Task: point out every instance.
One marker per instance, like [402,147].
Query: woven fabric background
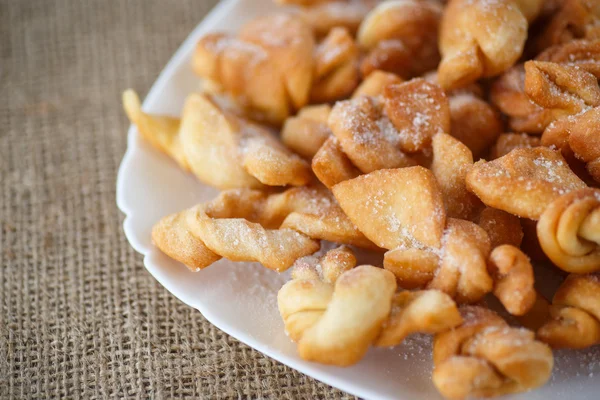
[79,315]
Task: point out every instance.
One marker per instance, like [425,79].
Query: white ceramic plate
[240,298]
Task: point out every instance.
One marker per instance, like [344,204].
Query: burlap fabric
[79,315]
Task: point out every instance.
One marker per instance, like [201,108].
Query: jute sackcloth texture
[79,315]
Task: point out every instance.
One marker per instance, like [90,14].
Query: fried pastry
[249,225]
[335,316]
[474,122]
[336,72]
[561,88]
[335,311]
[403,210]
[325,15]
[274,52]
[375,83]
[574,314]
[524,182]
[507,142]
[451,162]
[481,38]
[400,36]
[220,148]
[375,133]
[569,19]
[584,54]
[485,357]
[578,140]
[306,132]
[508,94]
[502,228]
[513,279]
[569,231]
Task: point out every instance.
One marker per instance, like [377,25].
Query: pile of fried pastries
[458,141]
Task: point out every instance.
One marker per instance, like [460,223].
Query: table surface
[79,315]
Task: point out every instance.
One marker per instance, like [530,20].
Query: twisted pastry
[220,148]
[574,314]
[247,225]
[571,19]
[578,140]
[485,357]
[569,231]
[403,210]
[274,52]
[486,48]
[279,53]
[400,36]
[501,227]
[373,133]
[323,16]
[335,311]
[563,89]
[508,94]
[513,279]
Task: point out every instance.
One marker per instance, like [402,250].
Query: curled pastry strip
[336,72]
[486,48]
[274,52]
[523,182]
[220,148]
[578,140]
[569,231]
[485,357]
[306,132]
[403,210]
[377,133]
[508,94]
[563,89]
[574,314]
[335,311]
[571,19]
[400,36]
[513,279]
[247,225]
[584,54]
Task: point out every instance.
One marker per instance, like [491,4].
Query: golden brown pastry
[513,279]
[374,84]
[569,231]
[508,94]
[575,314]
[306,132]
[220,148]
[451,162]
[336,72]
[507,142]
[480,38]
[400,36]
[403,210]
[501,227]
[274,52]
[334,316]
[474,122]
[323,16]
[485,357]
[335,311]
[524,182]
[248,225]
[373,133]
